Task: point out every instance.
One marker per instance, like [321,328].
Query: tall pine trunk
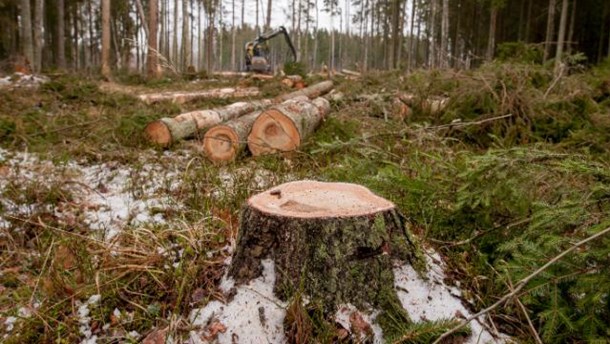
[432,38]
[153,21]
[106,72]
[233,34]
[491,41]
[60,43]
[185,35]
[550,30]
[38,42]
[570,42]
[561,37]
[26,32]
[412,40]
[444,53]
[268,19]
[175,53]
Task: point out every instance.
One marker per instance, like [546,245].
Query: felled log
[283,127]
[184,97]
[167,130]
[226,141]
[230,74]
[431,105]
[292,80]
[351,73]
[334,242]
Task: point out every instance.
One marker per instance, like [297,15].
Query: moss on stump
[333,242]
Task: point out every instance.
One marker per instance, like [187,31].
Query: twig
[521,284]
[464,124]
[44,264]
[554,83]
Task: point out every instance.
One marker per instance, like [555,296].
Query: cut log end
[312,199]
[273,131]
[159,133]
[220,144]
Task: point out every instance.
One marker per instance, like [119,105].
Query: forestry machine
[257,51]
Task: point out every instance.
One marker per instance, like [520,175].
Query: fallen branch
[521,284]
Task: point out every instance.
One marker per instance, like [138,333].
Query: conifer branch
[520,285]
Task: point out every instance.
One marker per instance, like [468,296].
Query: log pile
[263,126]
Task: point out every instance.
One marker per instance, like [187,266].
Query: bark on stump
[283,128]
[334,242]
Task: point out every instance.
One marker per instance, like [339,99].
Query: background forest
[356,34]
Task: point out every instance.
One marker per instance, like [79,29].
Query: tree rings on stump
[334,242]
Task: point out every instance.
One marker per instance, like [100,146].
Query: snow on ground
[255,315]
[23,80]
[109,195]
[433,299]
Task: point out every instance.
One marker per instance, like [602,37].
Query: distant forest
[209,35]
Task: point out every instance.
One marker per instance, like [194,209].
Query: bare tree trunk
[142,16]
[233,33]
[256,27]
[161,19]
[367,41]
[268,19]
[417,42]
[315,38]
[26,32]
[571,30]
[550,30]
[560,39]
[185,35]
[106,72]
[491,41]
[396,19]
[153,20]
[444,63]
[60,44]
[175,56]
[38,42]
[528,20]
[412,41]
[432,38]
[243,9]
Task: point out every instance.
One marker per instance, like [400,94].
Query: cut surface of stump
[334,242]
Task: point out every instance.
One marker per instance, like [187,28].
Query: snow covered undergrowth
[107,197]
[255,315]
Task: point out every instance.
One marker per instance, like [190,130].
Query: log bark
[335,242]
[283,127]
[225,142]
[216,93]
[430,105]
[167,130]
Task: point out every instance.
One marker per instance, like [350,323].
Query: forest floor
[106,237]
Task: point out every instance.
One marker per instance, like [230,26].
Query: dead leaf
[157,336]
[359,326]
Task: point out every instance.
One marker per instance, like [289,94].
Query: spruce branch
[521,284]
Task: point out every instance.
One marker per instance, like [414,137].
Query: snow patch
[254,315]
[432,299]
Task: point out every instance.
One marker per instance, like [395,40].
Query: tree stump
[333,242]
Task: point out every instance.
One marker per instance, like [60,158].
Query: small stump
[333,242]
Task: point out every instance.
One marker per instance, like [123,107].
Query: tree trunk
[570,42]
[432,38]
[412,40]
[175,56]
[153,48]
[284,127]
[550,30]
[268,19]
[106,72]
[216,93]
[142,16]
[38,42]
[185,36]
[61,47]
[444,58]
[227,141]
[528,20]
[561,37]
[491,41]
[233,35]
[167,130]
[26,32]
[335,242]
